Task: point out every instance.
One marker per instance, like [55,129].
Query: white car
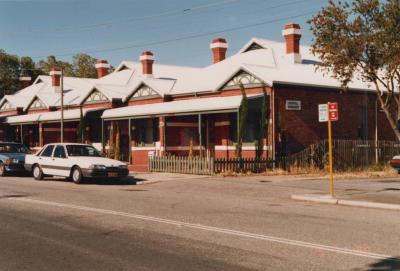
[75,161]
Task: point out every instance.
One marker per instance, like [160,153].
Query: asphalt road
[189,224]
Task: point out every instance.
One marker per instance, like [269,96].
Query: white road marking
[215,229]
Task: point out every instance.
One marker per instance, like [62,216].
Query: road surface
[188,224]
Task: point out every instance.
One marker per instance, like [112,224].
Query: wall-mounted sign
[293,105]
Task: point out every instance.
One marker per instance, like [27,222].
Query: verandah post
[200,137]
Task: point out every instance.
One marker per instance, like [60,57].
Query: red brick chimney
[55,74]
[102,68]
[292,33]
[24,80]
[219,46]
[147,60]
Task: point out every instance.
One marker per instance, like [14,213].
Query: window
[82,150]
[145,131]
[13,148]
[48,151]
[253,123]
[59,152]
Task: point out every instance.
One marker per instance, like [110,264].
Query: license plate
[112,174]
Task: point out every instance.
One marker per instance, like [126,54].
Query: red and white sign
[333,111]
[329,111]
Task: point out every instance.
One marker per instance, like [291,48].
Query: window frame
[63,148]
[52,151]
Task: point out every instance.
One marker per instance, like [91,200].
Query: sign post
[328,113]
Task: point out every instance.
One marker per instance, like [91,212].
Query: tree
[81,127]
[51,62]
[264,121]
[242,121]
[9,73]
[117,148]
[84,66]
[361,40]
[28,66]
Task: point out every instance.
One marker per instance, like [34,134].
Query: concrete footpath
[385,196]
[339,201]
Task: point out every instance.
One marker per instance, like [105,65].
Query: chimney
[292,33]
[219,46]
[55,74]
[25,80]
[102,68]
[147,60]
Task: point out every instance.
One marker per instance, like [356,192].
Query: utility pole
[62,105]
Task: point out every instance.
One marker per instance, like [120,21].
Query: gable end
[253,46]
[144,92]
[37,104]
[248,81]
[6,106]
[96,97]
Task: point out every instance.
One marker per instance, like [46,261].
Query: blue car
[12,157]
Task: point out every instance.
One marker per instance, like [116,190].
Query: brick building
[157,109]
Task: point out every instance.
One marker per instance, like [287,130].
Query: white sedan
[75,161]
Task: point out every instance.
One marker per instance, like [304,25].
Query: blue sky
[120,29]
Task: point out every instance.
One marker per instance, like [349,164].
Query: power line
[133,19]
[152,16]
[184,37]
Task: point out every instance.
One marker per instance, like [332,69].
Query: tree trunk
[389,117]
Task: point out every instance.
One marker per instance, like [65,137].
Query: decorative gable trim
[96,97]
[6,106]
[37,104]
[144,92]
[248,80]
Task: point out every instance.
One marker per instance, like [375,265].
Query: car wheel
[37,173]
[76,175]
[2,170]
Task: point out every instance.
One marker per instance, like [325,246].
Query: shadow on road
[389,264]
[100,181]
[123,181]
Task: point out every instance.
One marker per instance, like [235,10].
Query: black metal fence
[242,165]
[347,155]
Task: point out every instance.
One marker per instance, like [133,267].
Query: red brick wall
[96,105]
[146,101]
[140,160]
[303,127]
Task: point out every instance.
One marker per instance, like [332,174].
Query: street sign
[333,111]
[323,115]
[327,113]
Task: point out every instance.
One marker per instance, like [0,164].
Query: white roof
[29,118]
[270,64]
[72,114]
[214,104]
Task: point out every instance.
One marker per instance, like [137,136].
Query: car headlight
[99,167]
[11,161]
[123,166]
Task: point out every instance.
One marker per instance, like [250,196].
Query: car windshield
[82,150]
[13,148]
